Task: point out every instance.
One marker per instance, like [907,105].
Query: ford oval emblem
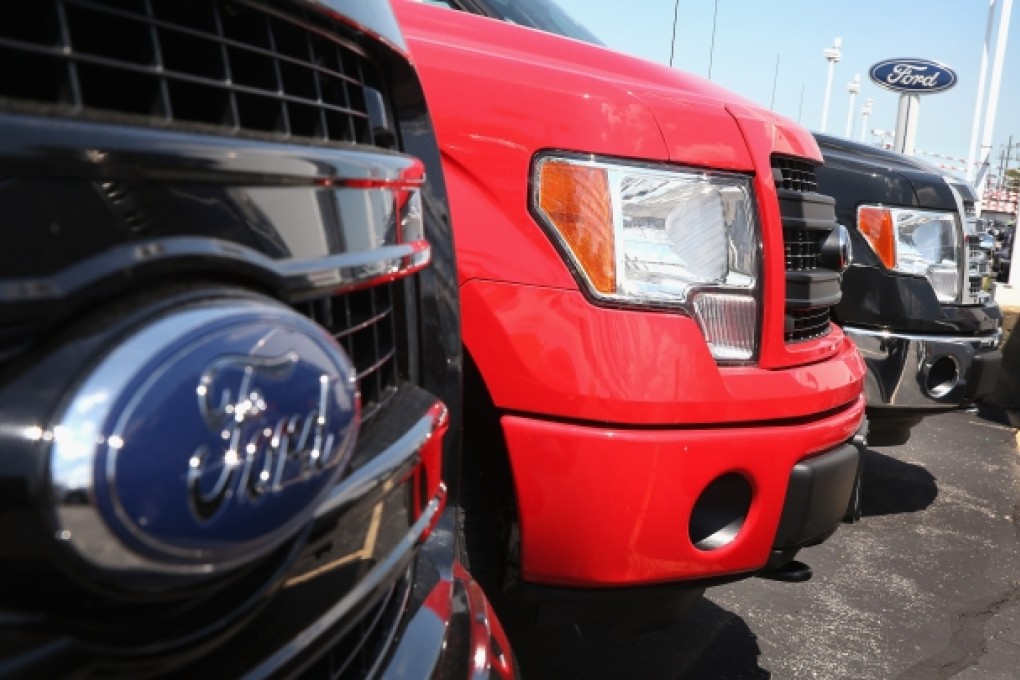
[204,440]
[915,76]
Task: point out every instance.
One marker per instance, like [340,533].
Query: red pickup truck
[646,275]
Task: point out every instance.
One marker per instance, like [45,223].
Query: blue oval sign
[916,76]
[204,440]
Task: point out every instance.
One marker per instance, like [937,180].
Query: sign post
[911,78]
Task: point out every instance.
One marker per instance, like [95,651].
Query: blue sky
[750,35]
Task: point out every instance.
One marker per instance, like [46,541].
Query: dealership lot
[927,585]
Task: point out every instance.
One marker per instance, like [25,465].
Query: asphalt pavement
[926,585]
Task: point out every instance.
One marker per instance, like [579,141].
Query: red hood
[683,105]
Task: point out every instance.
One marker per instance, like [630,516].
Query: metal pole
[901,123]
[711,50]
[775,79]
[853,87]
[1003,155]
[993,94]
[865,112]
[913,112]
[832,55]
[672,40]
[982,76]
[906,123]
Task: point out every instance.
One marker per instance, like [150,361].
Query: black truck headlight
[921,242]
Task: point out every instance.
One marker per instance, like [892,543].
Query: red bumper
[611,506]
[619,420]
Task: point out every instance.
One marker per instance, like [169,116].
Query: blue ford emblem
[204,440]
[917,76]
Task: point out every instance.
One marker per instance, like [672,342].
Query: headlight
[920,242]
[657,237]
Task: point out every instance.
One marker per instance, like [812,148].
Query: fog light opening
[942,377]
[720,512]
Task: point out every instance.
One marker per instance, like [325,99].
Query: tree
[1013,179]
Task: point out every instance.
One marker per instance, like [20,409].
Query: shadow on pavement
[892,486]
[999,414]
[706,642]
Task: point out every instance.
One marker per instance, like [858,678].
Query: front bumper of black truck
[926,372]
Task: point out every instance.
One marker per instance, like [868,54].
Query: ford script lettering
[257,456]
[917,76]
[206,439]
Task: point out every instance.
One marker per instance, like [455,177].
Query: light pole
[832,55]
[993,90]
[853,87]
[865,112]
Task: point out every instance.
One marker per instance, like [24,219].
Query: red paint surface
[605,501]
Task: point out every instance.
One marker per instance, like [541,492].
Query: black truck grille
[357,654]
[793,174]
[364,324]
[802,239]
[807,324]
[802,249]
[235,66]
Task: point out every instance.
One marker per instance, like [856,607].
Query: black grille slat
[363,323]
[802,249]
[803,246]
[794,174]
[807,324]
[238,67]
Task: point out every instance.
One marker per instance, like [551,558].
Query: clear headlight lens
[920,242]
[658,237]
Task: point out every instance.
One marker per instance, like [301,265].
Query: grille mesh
[363,323]
[802,247]
[807,324]
[793,174]
[232,65]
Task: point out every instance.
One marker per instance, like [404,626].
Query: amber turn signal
[877,226]
[575,200]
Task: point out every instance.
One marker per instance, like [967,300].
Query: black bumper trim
[984,372]
[817,496]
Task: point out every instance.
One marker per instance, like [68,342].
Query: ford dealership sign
[913,76]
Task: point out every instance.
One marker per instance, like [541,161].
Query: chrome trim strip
[898,366]
[96,150]
[967,224]
[991,341]
[384,466]
[301,279]
[383,570]
[372,476]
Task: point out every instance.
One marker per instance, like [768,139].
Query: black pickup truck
[916,299]
[229,349]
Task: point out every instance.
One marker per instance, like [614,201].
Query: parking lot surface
[926,585]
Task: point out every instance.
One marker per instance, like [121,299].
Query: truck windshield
[544,15]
